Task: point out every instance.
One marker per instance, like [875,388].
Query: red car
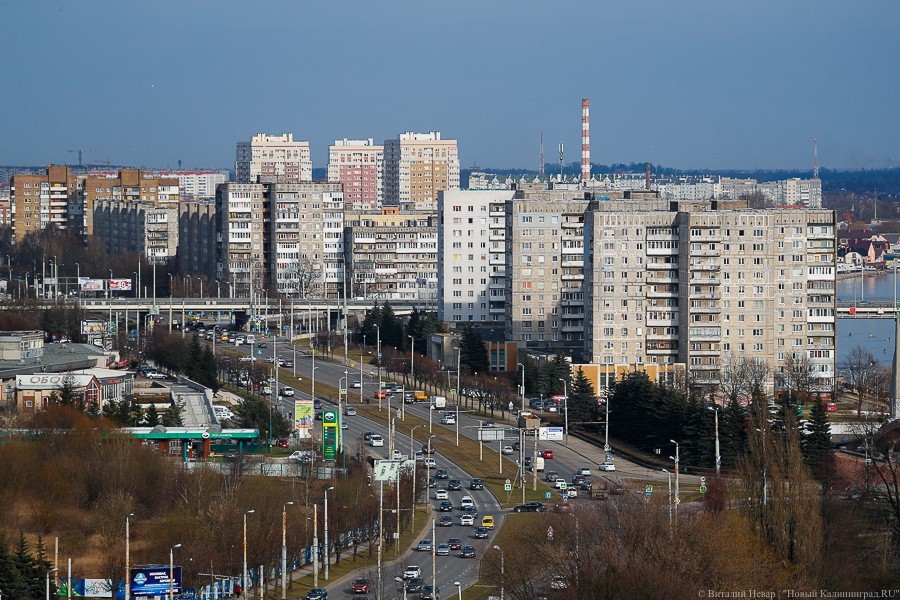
[361,586]
[547,454]
[831,407]
[281,443]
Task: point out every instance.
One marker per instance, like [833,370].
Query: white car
[572,491]
[376,440]
[606,466]
[412,571]
[430,463]
[467,520]
[448,420]
[356,384]
[287,391]
[155,375]
[420,456]
[350,411]
[508,450]
[440,494]
[584,472]
[466,502]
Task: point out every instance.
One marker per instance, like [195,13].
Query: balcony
[497,310]
[573,263]
[573,328]
[572,277]
[662,293]
[662,251]
[656,280]
[705,252]
[662,322]
[705,310]
[577,315]
[706,267]
[704,281]
[499,261]
[706,295]
[714,237]
[662,336]
[661,351]
[662,266]
[497,237]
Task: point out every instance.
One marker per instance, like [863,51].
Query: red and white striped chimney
[585,139]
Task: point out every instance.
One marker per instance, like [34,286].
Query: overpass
[867,309]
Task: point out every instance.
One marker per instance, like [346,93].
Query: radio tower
[541,169]
[585,140]
[815,158]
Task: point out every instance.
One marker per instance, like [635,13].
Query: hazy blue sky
[685,83]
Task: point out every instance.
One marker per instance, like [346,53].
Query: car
[442,474]
[155,375]
[349,411]
[431,481]
[584,472]
[445,506]
[430,463]
[412,571]
[547,453]
[448,419]
[606,466]
[424,546]
[281,443]
[246,359]
[527,462]
[397,454]
[231,454]
[428,449]
[381,394]
[551,476]
[467,520]
[430,592]
[317,403]
[831,407]
[467,552]
[368,435]
[558,583]
[476,484]
[440,494]
[560,484]
[487,522]
[262,345]
[481,533]
[445,521]
[454,543]
[302,455]
[586,485]
[536,403]
[317,594]
[318,415]
[538,506]
[345,425]
[454,485]
[286,364]
[487,424]
[507,450]
[572,491]
[419,456]
[360,585]
[409,397]
[443,549]
[520,508]
[471,510]
[356,384]
[577,479]
[376,440]
[414,585]
[466,501]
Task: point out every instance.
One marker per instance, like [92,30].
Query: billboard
[388,470]
[122,285]
[154,581]
[329,434]
[550,434]
[93,327]
[93,285]
[303,418]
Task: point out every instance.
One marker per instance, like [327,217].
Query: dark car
[414,585]
[361,585]
[481,533]
[231,454]
[432,481]
[454,485]
[454,543]
[586,485]
[470,510]
[445,521]
[428,449]
[442,474]
[317,594]
[577,479]
[368,435]
[476,484]
[520,508]
[287,364]
[318,415]
[537,506]
[430,592]
[262,345]
[467,552]
[317,404]
[446,506]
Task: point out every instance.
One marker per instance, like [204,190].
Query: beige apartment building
[359,166]
[416,167]
[274,158]
[240,210]
[37,201]
[392,255]
[704,283]
[129,185]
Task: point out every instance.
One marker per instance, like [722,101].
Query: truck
[529,422]
[538,463]
[438,402]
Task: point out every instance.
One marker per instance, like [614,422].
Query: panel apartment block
[359,165]
[197,241]
[276,158]
[128,185]
[138,227]
[392,255]
[240,211]
[416,167]
[703,283]
[41,200]
[472,257]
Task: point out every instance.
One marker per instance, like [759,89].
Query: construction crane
[80,152]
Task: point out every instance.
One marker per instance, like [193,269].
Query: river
[875,335]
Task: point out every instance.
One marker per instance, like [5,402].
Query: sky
[692,84]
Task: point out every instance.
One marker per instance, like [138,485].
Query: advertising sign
[93,327]
[154,581]
[303,418]
[93,285]
[329,434]
[387,470]
[121,285]
[550,434]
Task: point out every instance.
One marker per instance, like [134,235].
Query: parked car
[317,594]
[281,442]
[361,585]
[467,552]
[155,375]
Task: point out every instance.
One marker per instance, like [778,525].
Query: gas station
[192,442]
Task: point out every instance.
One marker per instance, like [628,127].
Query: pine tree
[172,417]
[582,401]
[473,354]
[816,443]
[151,417]
[732,432]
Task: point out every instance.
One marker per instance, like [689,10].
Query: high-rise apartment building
[416,167]
[704,283]
[392,255]
[39,200]
[129,185]
[197,241]
[358,164]
[138,227]
[274,158]
[240,264]
[472,257]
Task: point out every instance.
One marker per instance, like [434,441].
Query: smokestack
[585,139]
[647,184]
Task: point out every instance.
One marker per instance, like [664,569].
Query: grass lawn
[483,588]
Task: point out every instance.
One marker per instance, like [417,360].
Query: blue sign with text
[154,581]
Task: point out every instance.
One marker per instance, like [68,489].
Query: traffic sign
[550,533]
[702,480]
[548,495]
[508,482]
[343,391]
[649,489]
[609,457]
[507,487]
[702,489]
[677,500]
[565,496]
[606,448]
[563,485]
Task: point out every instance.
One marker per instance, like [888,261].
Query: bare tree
[306,274]
[861,372]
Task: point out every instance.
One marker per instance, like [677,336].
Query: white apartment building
[240,246]
[471,237]
[707,283]
[416,167]
[197,184]
[359,165]
[275,158]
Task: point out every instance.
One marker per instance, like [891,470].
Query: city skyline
[686,85]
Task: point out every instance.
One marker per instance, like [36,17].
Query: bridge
[868,309]
[270,306]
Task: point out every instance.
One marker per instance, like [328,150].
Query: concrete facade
[274,158]
[137,227]
[37,201]
[358,165]
[416,167]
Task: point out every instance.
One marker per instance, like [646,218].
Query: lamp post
[244,575]
[412,359]
[434,561]
[566,408]
[522,407]
[172,571]
[669,478]
[402,585]
[284,549]
[50,572]
[458,589]
[677,459]
[502,569]
[327,547]
[378,358]
[718,455]
[128,556]
[428,463]
[606,422]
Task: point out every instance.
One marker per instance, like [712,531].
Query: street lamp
[378,357]
[412,359]
[172,571]
[284,548]
[327,548]
[502,569]
[244,576]
[718,455]
[458,589]
[677,459]
[128,556]
[522,407]
[566,408]
[402,585]
[50,572]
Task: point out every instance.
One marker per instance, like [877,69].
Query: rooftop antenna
[815,158]
[585,139]
[541,170]
[560,160]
